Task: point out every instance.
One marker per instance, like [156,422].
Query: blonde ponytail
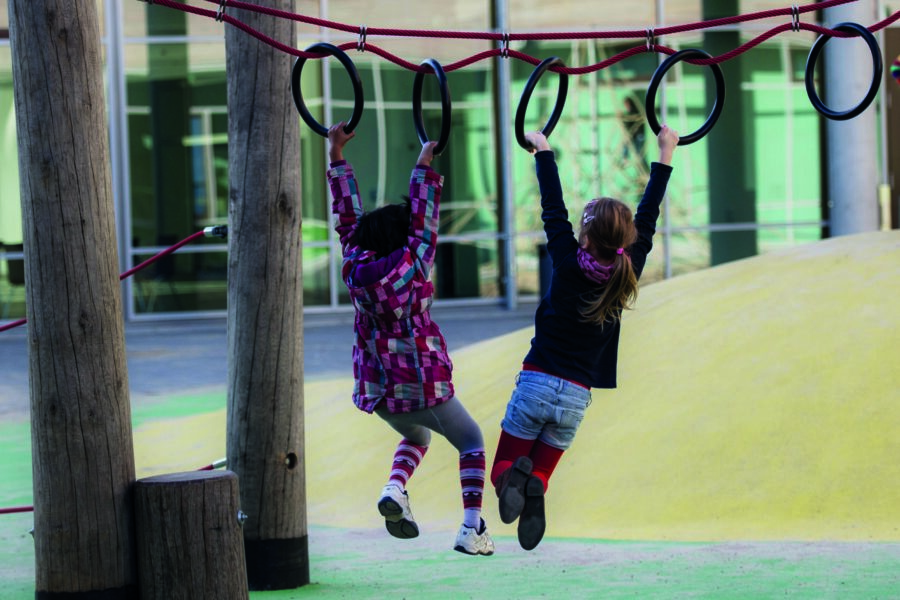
[607,228]
[619,293]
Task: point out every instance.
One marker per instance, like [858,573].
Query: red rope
[746,46]
[127,273]
[496,52]
[490,35]
[16,509]
[21,509]
[12,325]
[156,257]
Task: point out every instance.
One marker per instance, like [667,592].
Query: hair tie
[620,250]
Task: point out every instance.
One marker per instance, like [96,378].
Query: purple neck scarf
[593,270]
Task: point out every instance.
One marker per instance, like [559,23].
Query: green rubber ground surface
[749,452]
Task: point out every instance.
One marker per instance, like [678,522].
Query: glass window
[178,148]
[141,19]
[316,202]
[689,251]
[386,146]
[466,270]
[451,14]
[178,151]
[751,6]
[683,11]
[765,148]
[187,281]
[579,15]
[777,238]
[602,143]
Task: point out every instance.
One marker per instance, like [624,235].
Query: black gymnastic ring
[877,64]
[526,96]
[660,73]
[339,54]
[445,105]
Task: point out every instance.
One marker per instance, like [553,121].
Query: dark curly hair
[384,229]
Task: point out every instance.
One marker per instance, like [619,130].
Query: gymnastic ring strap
[445,105]
[546,64]
[659,75]
[358,102]
[877,65]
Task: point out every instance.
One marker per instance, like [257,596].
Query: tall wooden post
[265,304]
[81,420]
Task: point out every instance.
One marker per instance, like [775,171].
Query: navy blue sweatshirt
[564,344]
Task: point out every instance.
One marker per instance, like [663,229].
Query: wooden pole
[265,304]
[189,542]
[83,458]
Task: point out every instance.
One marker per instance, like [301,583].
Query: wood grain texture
[81,422]
[265,305]
[189,542]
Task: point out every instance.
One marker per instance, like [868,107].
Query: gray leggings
[449,419]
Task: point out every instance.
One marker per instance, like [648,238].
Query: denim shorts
[545,408]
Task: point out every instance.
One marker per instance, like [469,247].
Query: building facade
[755,184]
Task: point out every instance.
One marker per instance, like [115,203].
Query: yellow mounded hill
[756,400]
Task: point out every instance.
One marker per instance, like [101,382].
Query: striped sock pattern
[471,477]
[407,457]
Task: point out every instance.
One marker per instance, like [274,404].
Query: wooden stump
[189,539]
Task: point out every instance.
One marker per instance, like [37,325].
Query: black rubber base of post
[129,592]
[277,564]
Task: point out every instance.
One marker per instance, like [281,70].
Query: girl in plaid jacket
[401,368]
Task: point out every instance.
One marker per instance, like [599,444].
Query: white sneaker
[470,541]
[394,507]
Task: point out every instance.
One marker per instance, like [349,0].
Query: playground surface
[750,451]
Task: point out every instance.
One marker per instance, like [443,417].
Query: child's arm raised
[560,235]
[667,141]
[338,138]
[426,155]
[538,141]
[425,187]
[346,204]
[648,210]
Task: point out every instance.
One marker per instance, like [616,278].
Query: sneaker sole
[466,552]
[394,522]
[512,497]
[532,522]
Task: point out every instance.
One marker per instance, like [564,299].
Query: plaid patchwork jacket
[399,354]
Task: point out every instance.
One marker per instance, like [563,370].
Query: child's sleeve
[346,205]
[560,235]
[647,214]
[425,187]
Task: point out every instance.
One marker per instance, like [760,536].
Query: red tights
[509,448]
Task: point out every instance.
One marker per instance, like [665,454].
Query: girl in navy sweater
[576,331]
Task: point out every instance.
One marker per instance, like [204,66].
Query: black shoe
[511,489]
[532,522]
